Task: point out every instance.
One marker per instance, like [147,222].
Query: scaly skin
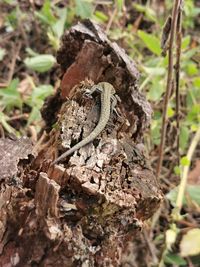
[107,94]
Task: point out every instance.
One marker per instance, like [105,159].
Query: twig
[175,12]
[33,133]
[182,186]
[111,20]
[137,23]
[188,224]
[13,63]
[177,77]
[19,117]
[7,36]
[151,247]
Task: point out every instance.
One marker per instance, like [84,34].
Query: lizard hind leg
[115,99]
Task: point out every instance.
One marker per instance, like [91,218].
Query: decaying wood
[83,211]
[11,152]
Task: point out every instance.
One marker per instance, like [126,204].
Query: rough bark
[83,211]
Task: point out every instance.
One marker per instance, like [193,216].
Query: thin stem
[169,84]
[177,78]
[183,183]
[111,20]
[16,51]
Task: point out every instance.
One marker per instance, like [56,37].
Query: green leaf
[40,63]
[34,116]
[184,137]
[100,16]
[151,42]
[155,132]
[36,101]
[10,97]
[185,42]
[157,115]
[149,12]
[192,69]
[194,127]
[189,54]
[170,112]
[190,243]
[83,9]
[46,14]
[41,92]
[2,53]
[12,18]
[196,82]
[193,191]
[193,114]
[31,52]
[174,259]
[53,40]
[140,8]
[185,161]
[177,170]
[38,95]
[3,121]
[120,4]
[170,236]
[156,90]
[58,27]
[56,30]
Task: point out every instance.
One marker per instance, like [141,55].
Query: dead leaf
[190,243]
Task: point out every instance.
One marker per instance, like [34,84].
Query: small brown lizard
[108,101]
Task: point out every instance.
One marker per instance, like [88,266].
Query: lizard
[108,101]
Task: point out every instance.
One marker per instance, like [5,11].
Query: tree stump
[83,210]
